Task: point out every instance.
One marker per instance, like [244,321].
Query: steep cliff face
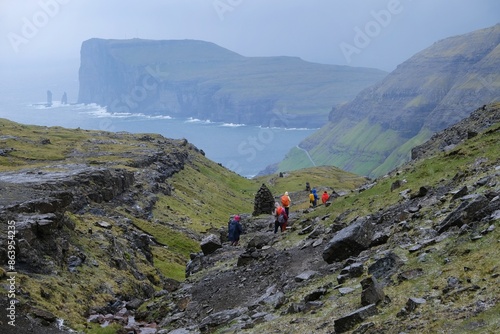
[430,91]
[190,78]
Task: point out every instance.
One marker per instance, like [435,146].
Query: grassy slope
[331,146]
[378,150]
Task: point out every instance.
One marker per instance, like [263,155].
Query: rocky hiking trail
[295,274]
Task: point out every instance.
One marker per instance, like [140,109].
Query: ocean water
[246,150]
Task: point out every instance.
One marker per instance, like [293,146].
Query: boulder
[43,314]
[413,303]
[372,293]
[210,244]
[350,241]
[220,318]
[306,275]
[350,320]
[260,240]
[465,213]
[351,271]
[316,294]
[384,268]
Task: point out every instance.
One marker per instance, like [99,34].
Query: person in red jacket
[280,218]
[325,197]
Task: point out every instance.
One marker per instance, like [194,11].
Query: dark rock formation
[350,320]
[372,293]
[468,211]
[444,140]
[353,270]
[210,244]
[350,241]
[49,99]
[264,201]
[64,98]
[385,267]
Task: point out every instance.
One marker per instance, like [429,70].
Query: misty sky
[369,33]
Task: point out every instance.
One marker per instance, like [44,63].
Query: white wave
[301,129]
[159,117]
[98,111]
[285,129]
[232,125]
[196,120]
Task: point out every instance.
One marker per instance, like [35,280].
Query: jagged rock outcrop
[189,78]
[467,128]
[372,293]
[350,320]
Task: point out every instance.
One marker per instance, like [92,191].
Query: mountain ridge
[433,89]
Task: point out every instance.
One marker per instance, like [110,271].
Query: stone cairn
[264,201]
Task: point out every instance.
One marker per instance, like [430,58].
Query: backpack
[285,200]
[282,217]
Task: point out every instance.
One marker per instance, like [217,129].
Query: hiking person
[311,199]
[325,197]
[235,230]
[316,197]
[285,202]
[280,218]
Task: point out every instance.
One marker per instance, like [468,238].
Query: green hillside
[435,88]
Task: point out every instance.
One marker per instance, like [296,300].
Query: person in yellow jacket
[312,200]
[285,202]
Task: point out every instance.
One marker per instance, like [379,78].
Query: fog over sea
[247,150]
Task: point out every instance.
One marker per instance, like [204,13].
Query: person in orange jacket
[285,202]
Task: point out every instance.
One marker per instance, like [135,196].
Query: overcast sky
[369,33]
